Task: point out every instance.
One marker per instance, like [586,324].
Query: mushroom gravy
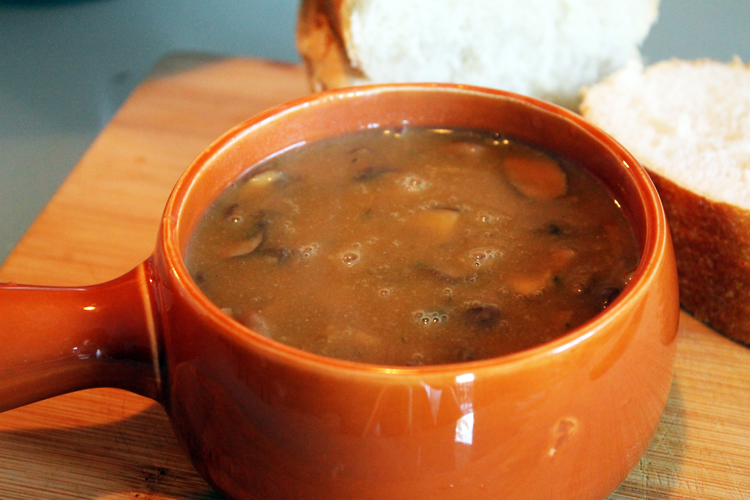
[415,246]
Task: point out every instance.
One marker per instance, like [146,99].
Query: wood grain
[110,444]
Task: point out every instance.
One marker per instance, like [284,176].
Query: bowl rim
[655,244]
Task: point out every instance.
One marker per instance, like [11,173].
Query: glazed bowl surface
[567,419]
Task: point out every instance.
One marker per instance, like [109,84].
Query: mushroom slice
[256,323]
[607,295]
[279,255]
[538,176]
[436,224]
[246,246]
[267,178]
[531,284]
[372,173]
[440,274]
[484,315]
[262,180]
[348,343]
[561,257]
[465,148]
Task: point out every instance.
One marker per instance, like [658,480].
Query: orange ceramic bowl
[263,420]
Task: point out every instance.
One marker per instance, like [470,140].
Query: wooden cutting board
[110,444]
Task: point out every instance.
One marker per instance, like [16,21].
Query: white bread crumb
[687,121]
[547,49]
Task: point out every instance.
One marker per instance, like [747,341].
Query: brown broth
[419,246]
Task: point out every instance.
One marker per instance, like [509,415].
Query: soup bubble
[430,317]
[351,256]
[307,251]
[479,256]
[487,217]
[413,184]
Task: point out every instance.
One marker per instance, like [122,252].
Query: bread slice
[688,122]
[543,48]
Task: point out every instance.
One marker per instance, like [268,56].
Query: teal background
[66,66]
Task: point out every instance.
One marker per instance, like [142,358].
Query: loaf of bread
[688,123]
[542,48]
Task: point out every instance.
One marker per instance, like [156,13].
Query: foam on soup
[415,246]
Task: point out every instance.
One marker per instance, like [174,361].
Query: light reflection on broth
[410,247]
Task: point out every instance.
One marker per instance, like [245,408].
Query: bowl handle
[55,340]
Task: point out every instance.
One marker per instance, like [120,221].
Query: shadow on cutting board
[138,457]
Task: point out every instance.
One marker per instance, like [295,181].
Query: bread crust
[323,35]
[712,246]
[711,238]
